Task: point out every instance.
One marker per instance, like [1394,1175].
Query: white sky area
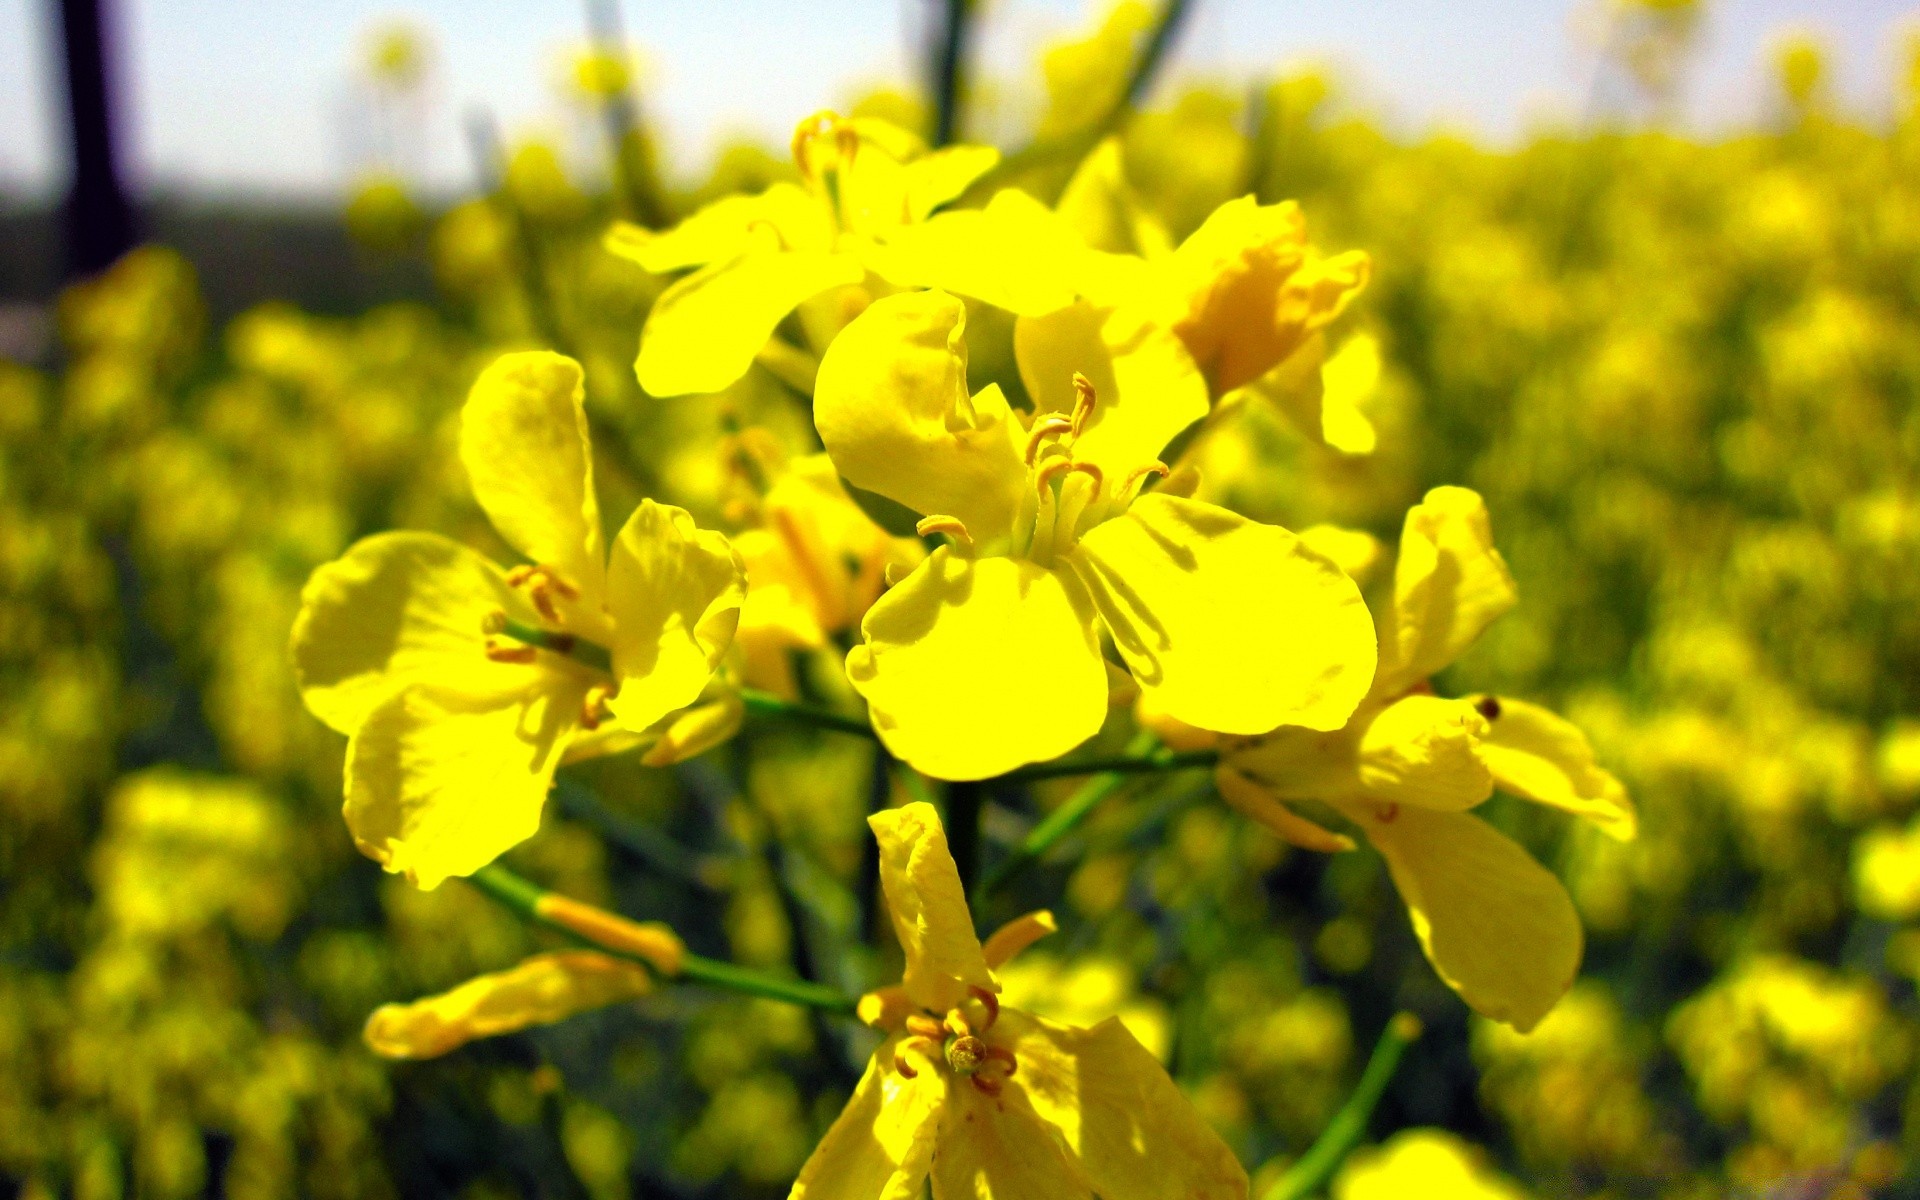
[247,97]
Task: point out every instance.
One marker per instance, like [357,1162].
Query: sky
[253,97]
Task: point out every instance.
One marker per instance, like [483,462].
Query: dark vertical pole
[949,69]
[99,221]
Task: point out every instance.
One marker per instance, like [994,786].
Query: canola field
[1208,651]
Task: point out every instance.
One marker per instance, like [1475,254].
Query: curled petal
[523,438]
[1257,802]
[1231,625]
[929,908]
[1016,935]
[722,230]
[892,408]
[881,1145]
[1427,751]
[704,331]
[972,667]
[1497,926]
[675,592]
[441,784]
[1538,754]
[398,609]
[543,989]
[1448,585]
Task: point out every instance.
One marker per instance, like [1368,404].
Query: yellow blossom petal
[1256,801]
[1544,757]
[1430,1163]
[523,438]
[998,1148]
[722,229]
[1136,1135]
[975,667]
[1448,585]
[1013,254]
[398,609]
[1497,926]
[705,330]
[881,1145]
[1146,386]
[1101,206]
[441,784]
[892,408]
[1426,751]
[934,179]
[1234,626]
[697,730]
[929,908]
[1016,935]
[675,595]
[543,989]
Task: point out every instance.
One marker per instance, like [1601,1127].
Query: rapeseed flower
[991,1101]
[1498,927]
[988,655]
[760,257]
[462,686]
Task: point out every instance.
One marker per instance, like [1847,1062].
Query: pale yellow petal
[892,408]
[398,609]
[1448,585]
[540,991]
[929,908]
[1234,626]
[440,784]
[705,330]
[674,592]
[934,179]
[974,667]
[1544,757]
[1146,386]
[1136,1135]
[881,1145]
[718,231]
[697,730]
[1101,206]
[1423,1162]
[1013,254]
[1348,380]
[1497,926]
[1257,802]
[523,438]
[998,1148]
[1016,935]
[1426,751]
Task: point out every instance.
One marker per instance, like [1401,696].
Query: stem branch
[1316,1167]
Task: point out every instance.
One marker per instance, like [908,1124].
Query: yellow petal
[1540,755]
[1013,254]
[543,989]
[1234,626]
[704,331]
[1016,935]
[929,908]
[936,178]
[1426,751]
[721,230]
[1135,1133]
[1348,380]
[1254,800]
[674,592]
[1448,585]
[398,609]
[1423,1162]
[523,438]
[1497,926]
[696,731]
[440,784]
[1146,386]
[998,1148]
[974,667]
[892,408]
[1354,551]
[881,1145]
[1101,206]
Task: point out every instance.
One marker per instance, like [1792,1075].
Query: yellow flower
[455,732]
[759,257]
[1430,1163]
[988,655]
[1497,926]
[815,563]
[991,1101]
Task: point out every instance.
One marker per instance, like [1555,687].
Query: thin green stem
[950,69]
[1063,820]
[523,897]
[1120,764]
[765,704]
[1316,1167]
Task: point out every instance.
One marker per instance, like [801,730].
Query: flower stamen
[543,583]
[511,654]
[1044,428]
[951,526]
[988,1001]
[1083,397]
[594,708]
[1138,473]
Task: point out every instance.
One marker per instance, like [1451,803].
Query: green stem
[580,650]
[1316,1167]
[765,704]
[949,70]
[522,897]
[1063,820]
[1120,764]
